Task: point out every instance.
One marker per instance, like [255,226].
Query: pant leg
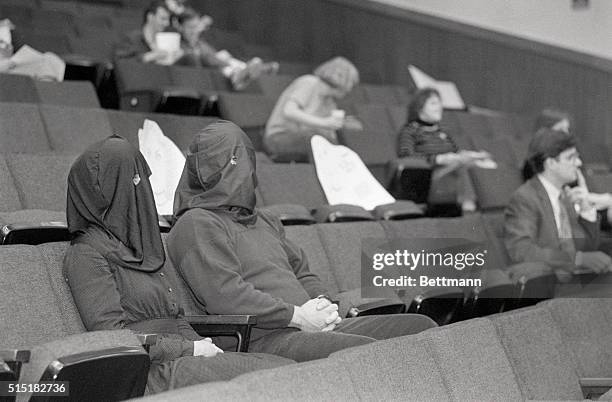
[191,370]
[465,188]
[386,326]
[288,147]
[303,346]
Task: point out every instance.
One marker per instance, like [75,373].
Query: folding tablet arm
[237,326]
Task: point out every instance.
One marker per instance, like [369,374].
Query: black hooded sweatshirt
[234,258]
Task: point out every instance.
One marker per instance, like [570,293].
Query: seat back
[376,143]
[323,380]
[41,179]
[68,93]
[29,313]
[17,88]
[22,128]
[249,111]
[586,330]
[72,129]
[473,362]
[534,346]
[307,238]
[395,369]
[9,196]
[295,183]
[342,243]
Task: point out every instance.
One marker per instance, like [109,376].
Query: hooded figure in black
[237,260]
[118,273]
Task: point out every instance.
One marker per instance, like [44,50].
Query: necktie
[566,237]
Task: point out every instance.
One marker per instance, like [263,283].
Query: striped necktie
[566,238]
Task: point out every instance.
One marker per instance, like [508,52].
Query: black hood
[110,205]
[219,173]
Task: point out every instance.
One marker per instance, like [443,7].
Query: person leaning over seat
[308,107]
[118,273]
[237,260]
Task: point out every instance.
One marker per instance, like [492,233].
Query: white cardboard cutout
[166,162]
[344,177]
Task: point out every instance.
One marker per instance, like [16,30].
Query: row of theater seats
[85,34]
[44,339]
[24,89]
[34,198]
[534,353]
[549,352]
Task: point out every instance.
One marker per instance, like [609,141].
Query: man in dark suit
[546,221]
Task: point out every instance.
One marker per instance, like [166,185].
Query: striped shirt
[419,140]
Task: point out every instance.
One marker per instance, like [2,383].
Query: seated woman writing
[117,272]
[422,136]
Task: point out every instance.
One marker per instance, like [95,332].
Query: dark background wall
[492,70]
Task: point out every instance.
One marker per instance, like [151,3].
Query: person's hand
[334,318]
[597,261]
[333,122]
[205,347]
[352,123]
[6,64]
[315,315]
[579,195]
[449,158]
[600,201]
[156,55]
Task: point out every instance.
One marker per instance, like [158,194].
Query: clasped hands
[316,315]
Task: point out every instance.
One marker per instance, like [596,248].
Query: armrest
[10,363]
[593,387]
[402,209]
[409,179]
[341,213]
[15,355]
[377,307]
[179,92]
[290,214]
[34,232]
[238,326]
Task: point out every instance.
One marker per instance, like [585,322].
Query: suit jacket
[530,231]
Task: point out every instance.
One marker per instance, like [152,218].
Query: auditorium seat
[38,314]
[519,355]
[586,330]
[22,128]
[9,196]
[41,179]
[308,239]
[376,144]
[294,183]
[21,88]
[473,362]
[17,88]
[180,129]
[273,86]
[543,366]
[249,111]
[67,93]
[74,129]
[138,84]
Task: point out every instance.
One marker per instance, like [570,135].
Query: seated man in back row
[236,260]
[547,221]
